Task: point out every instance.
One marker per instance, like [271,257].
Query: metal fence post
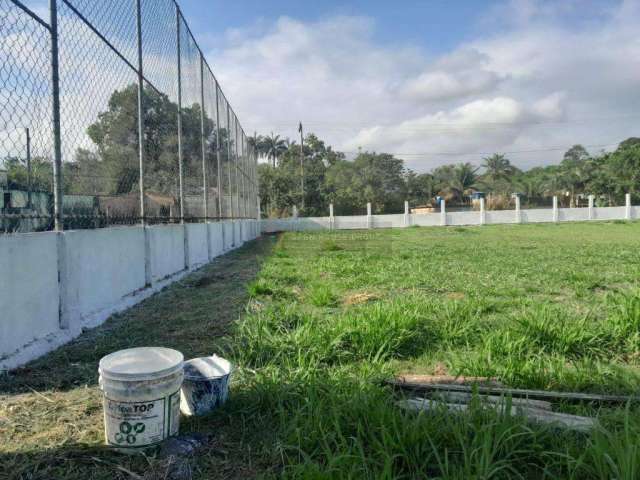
[483,216]
[180,159]
[235,162]
[591,207]
[443,213]
[140,110]
[229,160]
[518,211]
[55,114]
[369,217]
[555,208]
[29,179]
[627,202]
[219,179]
[203,142]
[331,218]
[244,200]
[406,214]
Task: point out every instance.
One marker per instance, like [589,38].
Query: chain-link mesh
[200,170]
[211,164]
[26,172]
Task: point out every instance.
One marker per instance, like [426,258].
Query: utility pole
[301,166]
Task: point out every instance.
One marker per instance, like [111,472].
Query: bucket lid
[143,363]
[204,368]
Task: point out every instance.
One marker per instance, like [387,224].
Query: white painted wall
[29,293]
[99,269]
[100,272]
[237,234]
[198,244]
[162,240]
[228,235]
[216,247]
[452,218]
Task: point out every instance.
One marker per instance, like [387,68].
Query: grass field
[316,321]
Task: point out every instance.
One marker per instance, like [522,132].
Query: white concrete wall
[537,215]
[453,218]
[425,220]
[99,269]
[343,222]
[573,214]
[501,216]
[198,246]
[216,247]
[166,244]
[237,233]
[55,284]
[387,221]
[609,213]
[29,293]
[463,218]
[228,235]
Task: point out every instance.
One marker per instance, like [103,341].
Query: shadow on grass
[191,315]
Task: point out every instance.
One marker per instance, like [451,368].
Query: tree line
[384,181]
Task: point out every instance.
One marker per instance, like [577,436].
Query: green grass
[316,321]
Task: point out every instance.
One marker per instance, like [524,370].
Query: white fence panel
[501,216]
[609,213]
[166,248]
[99,269]
[537,215]
[425,219]
[573,214]
[463,218]
[29,295]
[350,222]
[216,246]
[387,221]
[197,243]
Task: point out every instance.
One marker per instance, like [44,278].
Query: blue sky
[436,25]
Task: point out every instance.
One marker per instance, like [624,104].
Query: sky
[432,81]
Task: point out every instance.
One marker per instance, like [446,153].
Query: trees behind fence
[76,91]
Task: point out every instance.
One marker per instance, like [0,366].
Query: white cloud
[544,74]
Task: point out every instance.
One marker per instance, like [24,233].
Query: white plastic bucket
[206,385]
[141,400]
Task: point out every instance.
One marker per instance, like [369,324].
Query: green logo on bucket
[125,434]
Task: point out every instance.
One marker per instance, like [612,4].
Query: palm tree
[498,171]
[462,179]
[273,146]
[256,142]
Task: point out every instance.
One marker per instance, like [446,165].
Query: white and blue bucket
[141,396]
[205,386]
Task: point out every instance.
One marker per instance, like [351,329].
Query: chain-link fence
[79,87]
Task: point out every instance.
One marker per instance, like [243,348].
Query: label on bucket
[140,424]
